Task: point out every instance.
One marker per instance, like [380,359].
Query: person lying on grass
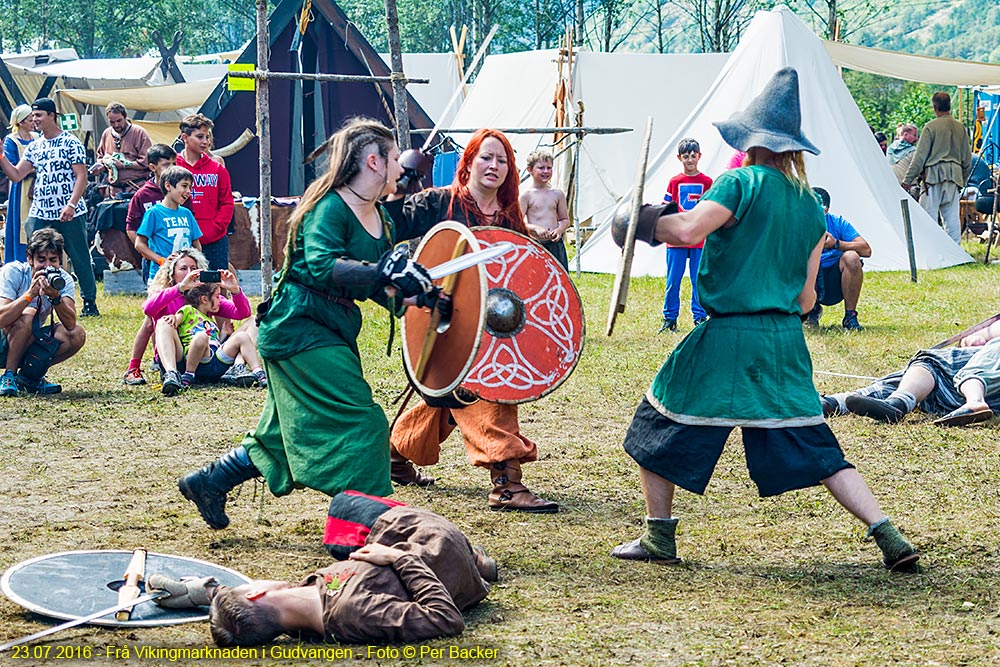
[410,582]
[961,383]
[192,335]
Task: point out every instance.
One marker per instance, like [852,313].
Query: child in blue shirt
[168,227]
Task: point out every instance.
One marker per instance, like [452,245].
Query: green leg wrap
[658,540]
[896,551]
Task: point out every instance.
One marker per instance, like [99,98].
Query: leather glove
[416,165]
[646,229]
[183,594]
[434,299]
[397,269]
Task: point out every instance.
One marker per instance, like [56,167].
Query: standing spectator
[905,143]
[883,141]
[841,270]
[122,151]
[684,189]
[944,156]
[168,227]
[18,197]
[58,161]
[212,194]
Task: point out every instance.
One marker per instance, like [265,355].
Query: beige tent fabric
[148,98]
[942,71]
[160,132]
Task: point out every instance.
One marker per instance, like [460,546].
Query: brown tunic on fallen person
[419,597]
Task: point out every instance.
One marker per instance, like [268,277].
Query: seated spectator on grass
[166,296]
[192,335]
[31,292]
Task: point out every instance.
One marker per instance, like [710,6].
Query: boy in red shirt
[212,194]
[686,188]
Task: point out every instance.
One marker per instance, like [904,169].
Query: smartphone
[210,276]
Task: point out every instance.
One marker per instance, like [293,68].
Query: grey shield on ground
[74,584]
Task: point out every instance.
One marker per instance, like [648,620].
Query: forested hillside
[962,29]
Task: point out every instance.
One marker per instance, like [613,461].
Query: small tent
[621,90]
[303,113]
[851,166]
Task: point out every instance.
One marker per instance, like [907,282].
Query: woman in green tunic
[748,366]
[320,427]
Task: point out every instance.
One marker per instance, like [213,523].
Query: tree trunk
[579,23]
[538,25]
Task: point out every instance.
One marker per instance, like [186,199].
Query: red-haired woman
[484,193]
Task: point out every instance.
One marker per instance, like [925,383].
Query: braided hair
[346,154]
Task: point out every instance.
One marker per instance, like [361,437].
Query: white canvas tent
[851,166]
[617,90]
[433,97]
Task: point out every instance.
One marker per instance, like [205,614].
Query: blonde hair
[346,150]
[789,163]
[164,277]
[540,155]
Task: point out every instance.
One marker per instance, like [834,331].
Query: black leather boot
[207,488]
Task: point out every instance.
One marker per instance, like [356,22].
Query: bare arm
[692,227]
[562,215]
[142,246]
[858,245]
[807,297]
[16,173]
[79,186]
[981,337]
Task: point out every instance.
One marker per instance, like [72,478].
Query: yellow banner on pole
[238,83]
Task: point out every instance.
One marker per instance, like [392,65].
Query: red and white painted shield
[534,331]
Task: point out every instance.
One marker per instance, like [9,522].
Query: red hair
[509,215]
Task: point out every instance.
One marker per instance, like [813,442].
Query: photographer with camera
[30,292]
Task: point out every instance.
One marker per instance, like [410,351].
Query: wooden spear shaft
[398,79]
[264,136]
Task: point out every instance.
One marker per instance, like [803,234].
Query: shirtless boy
[544,207]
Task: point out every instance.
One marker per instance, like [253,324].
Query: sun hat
[772,120]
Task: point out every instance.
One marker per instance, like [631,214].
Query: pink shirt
[170,300]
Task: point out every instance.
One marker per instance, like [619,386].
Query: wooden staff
[129,592]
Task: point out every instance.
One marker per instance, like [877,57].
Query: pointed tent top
[852,167]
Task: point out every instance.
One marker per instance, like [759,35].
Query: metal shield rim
[583,319]
[473,244]
[110,621]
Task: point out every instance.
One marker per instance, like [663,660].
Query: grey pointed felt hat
[772,120]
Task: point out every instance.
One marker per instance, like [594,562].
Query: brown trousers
[490,431]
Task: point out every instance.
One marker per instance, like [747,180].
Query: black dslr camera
[55,278]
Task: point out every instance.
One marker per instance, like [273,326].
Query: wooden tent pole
[398,78]
[264,136]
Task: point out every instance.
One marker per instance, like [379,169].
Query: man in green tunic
[748,366]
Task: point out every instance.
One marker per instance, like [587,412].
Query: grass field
[787,580]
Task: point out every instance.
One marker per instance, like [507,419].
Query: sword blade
[80,621]
[470,259]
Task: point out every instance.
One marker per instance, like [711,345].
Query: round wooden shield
[534,329]
[74,584]
[438,357]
